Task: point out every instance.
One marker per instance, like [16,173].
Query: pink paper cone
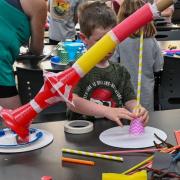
[136,127]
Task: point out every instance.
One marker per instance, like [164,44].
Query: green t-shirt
[14,32]
[109,86]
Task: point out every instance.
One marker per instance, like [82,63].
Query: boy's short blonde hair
[95,14]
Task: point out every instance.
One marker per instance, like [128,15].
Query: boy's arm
[130,101]
[90,108]
[130,105]
[142,112]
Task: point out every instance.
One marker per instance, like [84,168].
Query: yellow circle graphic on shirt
[61,7]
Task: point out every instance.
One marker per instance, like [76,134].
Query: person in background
[114,4]
[128,51]
[106,91]
[150,1]
[21,22]
[62,19]
[167,13]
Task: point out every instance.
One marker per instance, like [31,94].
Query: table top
[168,27]
[33,62]
[167,45]
[47,161]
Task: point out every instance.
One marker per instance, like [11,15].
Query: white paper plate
[120,137]
[38,139]
[8,139]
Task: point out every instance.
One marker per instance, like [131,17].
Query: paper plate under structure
[37,139]
[120,137]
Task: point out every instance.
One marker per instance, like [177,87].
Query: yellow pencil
[138,165]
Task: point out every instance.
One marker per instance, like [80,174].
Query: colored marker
[78,161]
[177,135]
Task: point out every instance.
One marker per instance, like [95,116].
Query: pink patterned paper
[136,127]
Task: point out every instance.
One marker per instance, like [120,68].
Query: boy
[106,91]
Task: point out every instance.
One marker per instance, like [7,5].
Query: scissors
[163,144]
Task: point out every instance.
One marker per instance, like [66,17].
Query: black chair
[176,14]
[169,88]
[169,35]
[157,78]
[29,82]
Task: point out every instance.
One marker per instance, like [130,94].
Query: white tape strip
[35,106]
[113,37]
[78,70]
[78,127]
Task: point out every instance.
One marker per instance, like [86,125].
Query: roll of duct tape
[78,127]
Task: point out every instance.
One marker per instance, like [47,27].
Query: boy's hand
[116,114]
[142,113]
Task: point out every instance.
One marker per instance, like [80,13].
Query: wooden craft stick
[131,151]
[138,165]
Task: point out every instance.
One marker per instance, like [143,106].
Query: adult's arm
[37,12]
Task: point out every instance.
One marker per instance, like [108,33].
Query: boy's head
[95,19]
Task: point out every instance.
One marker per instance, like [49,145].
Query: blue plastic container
[72,48]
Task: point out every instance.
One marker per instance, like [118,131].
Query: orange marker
[78,161]
[177,135]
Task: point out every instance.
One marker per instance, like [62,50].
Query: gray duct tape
[78,127]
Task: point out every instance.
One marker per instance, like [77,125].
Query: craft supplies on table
[92,154]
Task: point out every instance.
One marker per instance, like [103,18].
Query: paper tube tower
[58,87]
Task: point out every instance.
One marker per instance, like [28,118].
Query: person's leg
[9,97]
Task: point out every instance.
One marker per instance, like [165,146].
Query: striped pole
[92,154]
[140,70]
